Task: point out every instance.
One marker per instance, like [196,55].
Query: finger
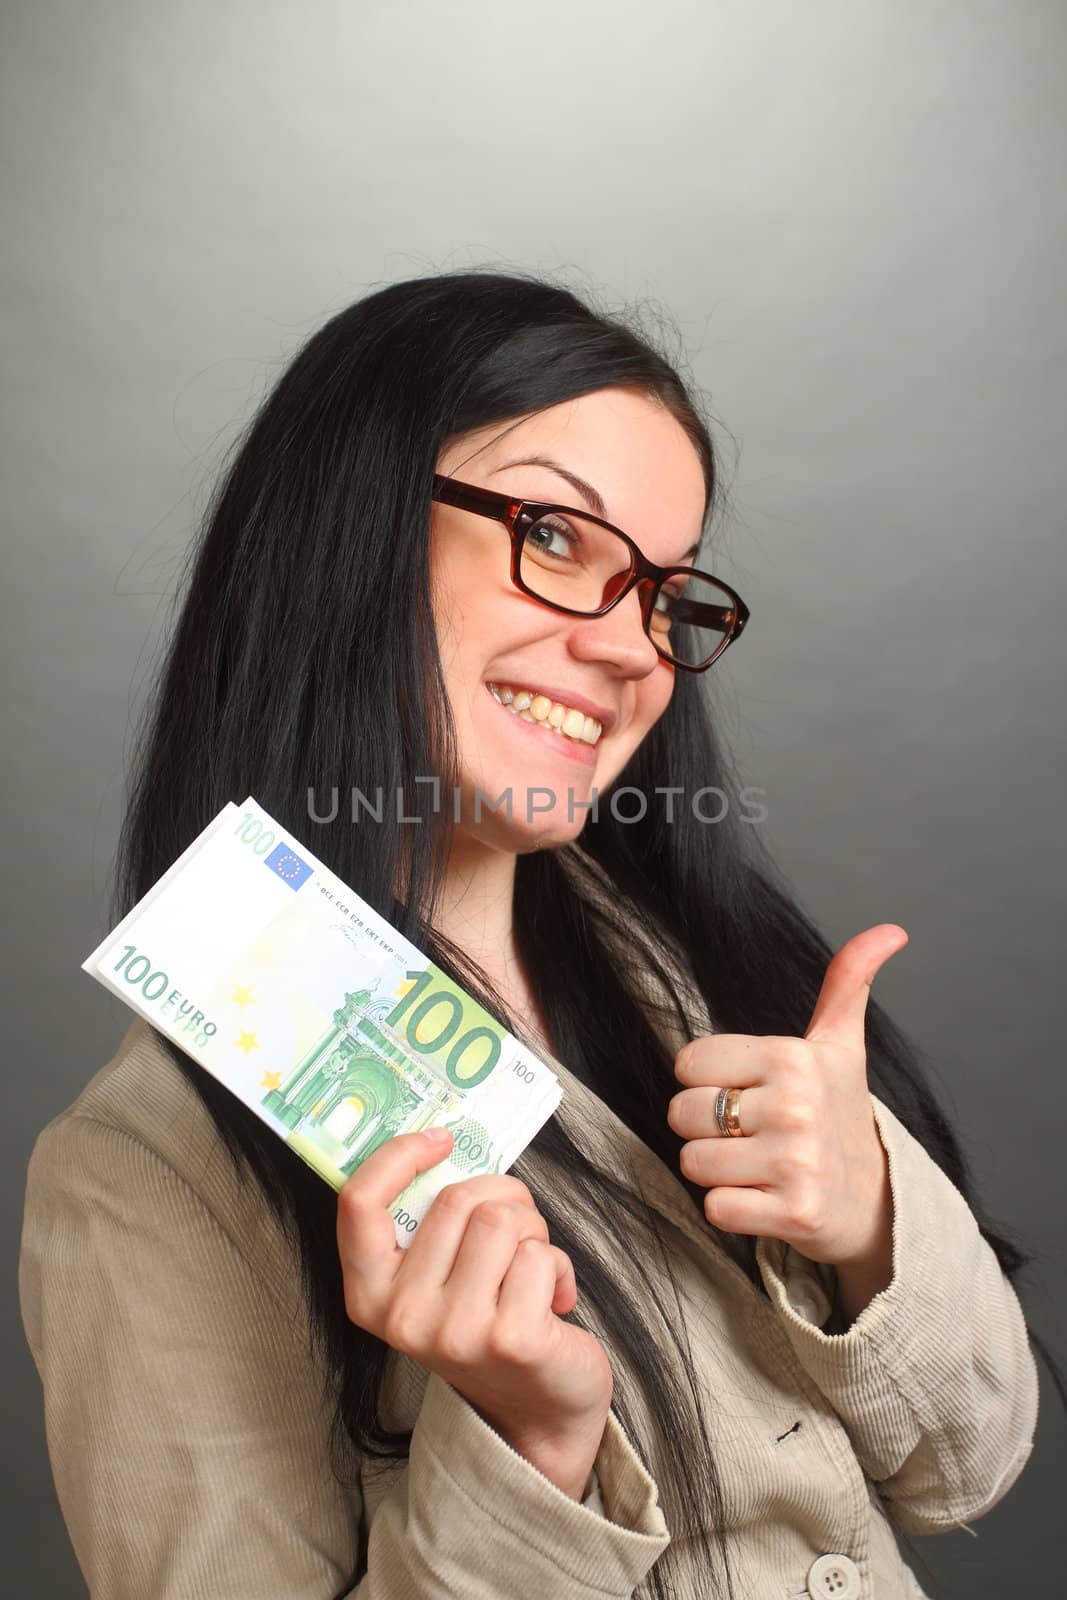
[431,1256]
[841,1008]
[498,1185]
[691,1112]
[487,1247]
[539,1282]
[565,1296]
[751,1211]
[711,1162]
[735,1059]
[366,1233]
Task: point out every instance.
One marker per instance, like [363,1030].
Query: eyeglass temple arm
[725,619]
[469,496]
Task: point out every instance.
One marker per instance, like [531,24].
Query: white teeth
[539,708]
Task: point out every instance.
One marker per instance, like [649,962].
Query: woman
[685,1347]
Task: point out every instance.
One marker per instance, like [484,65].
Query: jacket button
[834,1577]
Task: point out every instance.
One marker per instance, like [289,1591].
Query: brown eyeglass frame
[518,516]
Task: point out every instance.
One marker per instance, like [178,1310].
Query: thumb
[841,1008]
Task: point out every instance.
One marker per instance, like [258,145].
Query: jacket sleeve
[189,1441]
[934,1380]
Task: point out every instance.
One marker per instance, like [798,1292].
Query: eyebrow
[592,499]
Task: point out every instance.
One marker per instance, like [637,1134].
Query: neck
[475,910]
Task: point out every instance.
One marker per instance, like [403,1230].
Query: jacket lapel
[602,1136]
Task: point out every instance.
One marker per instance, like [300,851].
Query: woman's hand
[477,1298]
[811,1170]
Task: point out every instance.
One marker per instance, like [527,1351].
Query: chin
[520,837]
[552,836]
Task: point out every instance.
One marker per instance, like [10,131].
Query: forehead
[626,445]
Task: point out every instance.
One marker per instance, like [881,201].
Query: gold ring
[728,1113]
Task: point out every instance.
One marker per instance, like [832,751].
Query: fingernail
[437,1135]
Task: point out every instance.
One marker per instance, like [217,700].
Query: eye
[552,536]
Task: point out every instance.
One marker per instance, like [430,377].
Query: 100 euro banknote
[293,992]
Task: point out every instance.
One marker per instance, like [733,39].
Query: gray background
[854,213]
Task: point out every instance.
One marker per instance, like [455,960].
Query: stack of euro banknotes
[315,1012]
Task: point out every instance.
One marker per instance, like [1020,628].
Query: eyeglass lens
[573,562]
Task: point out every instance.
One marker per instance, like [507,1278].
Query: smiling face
[642,464]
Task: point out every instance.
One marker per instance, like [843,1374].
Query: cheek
[455,627]
[653,698]
[450,595]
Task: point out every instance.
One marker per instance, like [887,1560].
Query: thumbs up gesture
[811,1169]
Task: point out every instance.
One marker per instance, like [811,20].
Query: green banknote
[293,992]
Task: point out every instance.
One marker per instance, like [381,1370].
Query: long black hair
[303,658]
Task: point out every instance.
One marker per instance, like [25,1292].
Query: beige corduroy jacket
[188,1434]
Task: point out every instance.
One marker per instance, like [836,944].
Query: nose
[618,637]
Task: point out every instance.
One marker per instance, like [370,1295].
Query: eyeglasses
[583,566]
